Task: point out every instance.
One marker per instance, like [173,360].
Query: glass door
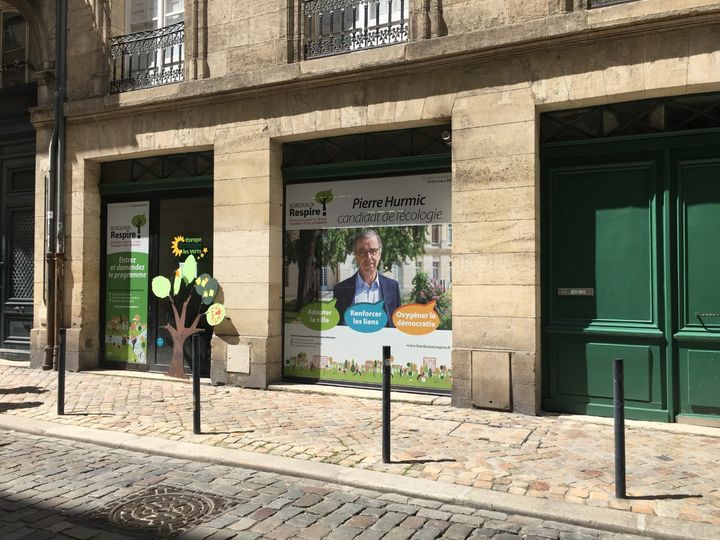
[185,227]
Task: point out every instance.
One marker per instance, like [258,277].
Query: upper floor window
[339,26]
[13,49]
[151,14]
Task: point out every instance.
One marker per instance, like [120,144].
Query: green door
[697,336]
[628,259]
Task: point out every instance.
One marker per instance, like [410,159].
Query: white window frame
[161,16]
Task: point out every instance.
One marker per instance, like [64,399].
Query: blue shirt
[367,293]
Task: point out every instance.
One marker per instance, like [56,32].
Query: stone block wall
[492,101]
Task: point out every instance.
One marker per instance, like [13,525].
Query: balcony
[341,26]
[147,59]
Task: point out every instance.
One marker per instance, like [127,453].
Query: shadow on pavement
[411,461]
[664,497]
[23,390]
[89,414]
[24,405]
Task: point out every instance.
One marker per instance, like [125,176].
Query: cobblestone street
[51,488]
[563,459]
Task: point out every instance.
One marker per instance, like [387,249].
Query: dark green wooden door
[628,259]
[697,337]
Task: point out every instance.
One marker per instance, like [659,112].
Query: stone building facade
[492,70]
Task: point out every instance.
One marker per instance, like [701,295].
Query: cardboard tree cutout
[185,283]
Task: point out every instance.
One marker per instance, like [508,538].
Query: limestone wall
[493,106]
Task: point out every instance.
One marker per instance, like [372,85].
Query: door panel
[601,287]
[192,219]
[698,335]
[604,235]
[16,245]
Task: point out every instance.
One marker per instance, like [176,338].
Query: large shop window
[361,273]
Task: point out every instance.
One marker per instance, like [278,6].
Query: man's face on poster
[367,255]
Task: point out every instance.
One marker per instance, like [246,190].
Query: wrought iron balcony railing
[340,26]
[149,58]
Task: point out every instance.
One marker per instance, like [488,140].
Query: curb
[602,518]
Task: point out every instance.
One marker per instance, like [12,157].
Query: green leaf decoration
[189,269]
[207,287]
[215,314]
[176,282]
[161,286]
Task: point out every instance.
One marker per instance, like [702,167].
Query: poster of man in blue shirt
[367,285]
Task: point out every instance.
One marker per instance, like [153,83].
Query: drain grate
[161,511]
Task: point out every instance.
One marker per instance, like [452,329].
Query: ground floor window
[369,231]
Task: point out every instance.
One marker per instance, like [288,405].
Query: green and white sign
[126,282]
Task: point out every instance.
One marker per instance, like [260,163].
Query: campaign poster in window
[367,264]
[126,282]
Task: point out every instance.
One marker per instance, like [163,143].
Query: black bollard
[619,409]
[61,373]
[386,405]
[196,383]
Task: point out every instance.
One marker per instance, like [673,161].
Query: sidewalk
[672,470]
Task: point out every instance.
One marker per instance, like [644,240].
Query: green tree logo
[138,221]
[324,198]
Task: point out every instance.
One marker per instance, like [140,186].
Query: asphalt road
[59,489]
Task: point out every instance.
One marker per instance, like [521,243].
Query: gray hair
[367,233]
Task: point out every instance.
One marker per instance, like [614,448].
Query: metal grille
[149,58]
[367,146]
[340,26]
[21,280]
[158,167]
[15,103]
[680,113]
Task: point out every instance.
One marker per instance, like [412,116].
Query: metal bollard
[386,405]
[619,415]
[196,383]
[61,373]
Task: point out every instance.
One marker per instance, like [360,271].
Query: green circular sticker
[215,314]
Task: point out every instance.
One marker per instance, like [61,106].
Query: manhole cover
[161,511]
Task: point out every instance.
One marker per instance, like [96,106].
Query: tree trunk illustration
[179,334]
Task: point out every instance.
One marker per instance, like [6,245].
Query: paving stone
[402,508]
[433,514]
[502,526]
[325,507]
[399,534]
[541,532]
[427,533]
[388,521]
[473,521]
[344,533]
[307,500]
[80,532]
[303,520]
[458,531]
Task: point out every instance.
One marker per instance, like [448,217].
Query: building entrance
[17,177]
[156,212]
[630,257]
